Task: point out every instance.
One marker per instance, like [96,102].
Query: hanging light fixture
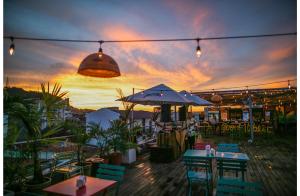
[198,49]
[12,47]
[247,90]
[99,65]
[289,85]
[100,51]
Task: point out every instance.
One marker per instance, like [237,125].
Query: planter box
[129,156]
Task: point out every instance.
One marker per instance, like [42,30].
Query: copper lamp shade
[216,98]
[102,67]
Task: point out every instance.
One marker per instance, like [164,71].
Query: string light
[213,93]
[100,51]
[12,47]
[247,90]
[289,85]
[198,49]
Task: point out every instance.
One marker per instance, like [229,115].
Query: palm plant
[101,136]
[128,107]
[80,136]
[27,117]
[53,100]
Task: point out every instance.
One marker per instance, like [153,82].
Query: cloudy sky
[224,63]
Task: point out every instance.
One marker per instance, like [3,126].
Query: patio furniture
[237,187]
[93,186]
[69,169]
[228,148]
[111,172]
[231,161]
[198,171]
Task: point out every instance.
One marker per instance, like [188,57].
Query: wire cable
[150,40]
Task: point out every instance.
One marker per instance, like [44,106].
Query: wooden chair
[237,187]
[228,148]
[231,165]
[199,171]
[111,172]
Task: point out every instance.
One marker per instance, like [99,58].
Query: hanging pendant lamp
[102,67]
[99,65]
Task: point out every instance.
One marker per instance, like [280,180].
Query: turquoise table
[232,156]
[219,155]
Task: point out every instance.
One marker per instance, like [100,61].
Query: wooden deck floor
[273,165]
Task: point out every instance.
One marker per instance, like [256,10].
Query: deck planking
[147,178]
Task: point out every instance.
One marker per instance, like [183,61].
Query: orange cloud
[281,53]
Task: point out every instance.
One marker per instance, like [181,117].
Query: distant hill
[19,92]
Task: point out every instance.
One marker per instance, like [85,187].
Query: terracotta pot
[105,159]
[116,158]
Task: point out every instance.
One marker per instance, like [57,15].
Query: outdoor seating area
[269,171]
[149,98]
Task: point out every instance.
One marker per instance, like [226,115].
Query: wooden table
[68,187]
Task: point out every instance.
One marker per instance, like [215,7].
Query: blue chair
[199,171]
[111,172]
[231,165]
[236,187]
[228,148]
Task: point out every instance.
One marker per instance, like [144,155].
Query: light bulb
[198,51]
[100,52]
[12,49]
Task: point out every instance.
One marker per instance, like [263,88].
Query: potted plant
[129,153]
[129,132]
[80,137]
[36,123]
[116,140]
[101,136]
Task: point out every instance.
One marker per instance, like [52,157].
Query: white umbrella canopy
[158,95]
[196,100]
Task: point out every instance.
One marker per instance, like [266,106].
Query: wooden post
[251,119]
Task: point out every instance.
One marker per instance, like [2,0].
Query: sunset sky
[224,63]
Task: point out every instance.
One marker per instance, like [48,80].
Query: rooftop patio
[272,163]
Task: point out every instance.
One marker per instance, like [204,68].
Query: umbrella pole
[175,113]
[131,124]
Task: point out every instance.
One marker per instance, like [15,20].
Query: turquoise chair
[111,172]
[236,187]
[199,171]
[228,148]
[231,165]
